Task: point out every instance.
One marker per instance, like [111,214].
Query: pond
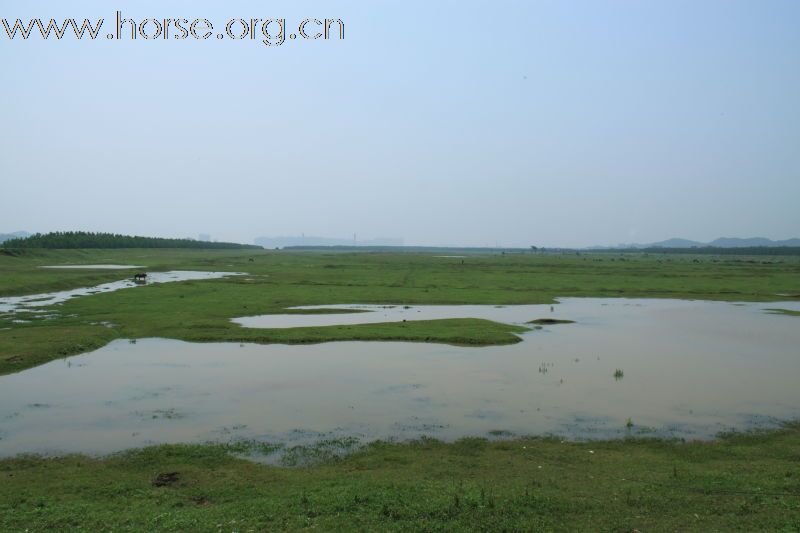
[687,369]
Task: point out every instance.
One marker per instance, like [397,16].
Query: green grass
[201,310]
[739,483]
[20,273]
[480,279]
[787,312]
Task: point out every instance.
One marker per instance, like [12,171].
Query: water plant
[619,374]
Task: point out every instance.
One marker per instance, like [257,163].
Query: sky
[463,123]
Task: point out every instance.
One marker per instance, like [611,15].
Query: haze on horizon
[460,123]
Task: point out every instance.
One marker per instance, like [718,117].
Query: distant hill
[676,243]
[81,239]
[722,242]
[16,235]
[283,242]
[736,242]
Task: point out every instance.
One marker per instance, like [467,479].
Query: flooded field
[93,267]
[16,303]
[686,369]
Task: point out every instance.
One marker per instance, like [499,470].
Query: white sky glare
[444,123]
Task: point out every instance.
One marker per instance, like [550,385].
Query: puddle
[690,369]
[23,303]
[95,267]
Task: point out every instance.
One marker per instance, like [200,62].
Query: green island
[742,482]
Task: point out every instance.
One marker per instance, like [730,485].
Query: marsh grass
[786,312]
[323,451]
[744,482]
[200,311]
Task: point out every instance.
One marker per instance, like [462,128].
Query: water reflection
[691,369]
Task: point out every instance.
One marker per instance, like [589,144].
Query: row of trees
[83,239]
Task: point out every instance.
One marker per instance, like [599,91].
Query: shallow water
[95,267]
[691,369]
[20,303]
[374,314]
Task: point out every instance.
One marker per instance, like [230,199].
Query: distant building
[305,240]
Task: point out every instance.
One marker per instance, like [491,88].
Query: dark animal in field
[166,479]
[141,276]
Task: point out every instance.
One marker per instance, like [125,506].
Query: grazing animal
[141,276]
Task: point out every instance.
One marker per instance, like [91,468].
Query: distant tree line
[83,239]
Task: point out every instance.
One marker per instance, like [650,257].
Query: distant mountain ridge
[16,235]
[722,242]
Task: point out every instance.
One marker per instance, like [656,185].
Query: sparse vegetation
[619,374]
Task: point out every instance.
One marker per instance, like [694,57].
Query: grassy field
[739,483]
[744,482]
[201,310]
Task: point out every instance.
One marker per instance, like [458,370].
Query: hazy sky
[459,123]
